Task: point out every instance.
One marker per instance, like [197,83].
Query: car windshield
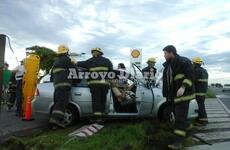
[226,84]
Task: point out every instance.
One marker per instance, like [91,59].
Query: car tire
[71,115]
[222,90]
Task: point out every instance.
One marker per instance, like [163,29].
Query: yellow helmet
[62,49]
[97,49]
[197,60]
[152,59]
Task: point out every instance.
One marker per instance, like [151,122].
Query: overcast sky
[194,27]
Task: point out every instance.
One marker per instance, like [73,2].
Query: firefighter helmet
[62,49]
[197,60]
[152,59]
[97,49]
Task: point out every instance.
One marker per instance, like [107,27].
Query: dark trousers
[11,100]
[18,97]
[117,105]
[201,106]
[99,94]
[119,108]
[181,123]
[61,98]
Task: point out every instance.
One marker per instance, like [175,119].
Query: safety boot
[175,146]
[57,122]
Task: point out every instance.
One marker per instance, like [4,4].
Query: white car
[149,102]
[226,87]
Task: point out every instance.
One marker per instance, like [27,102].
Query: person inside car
[123,93]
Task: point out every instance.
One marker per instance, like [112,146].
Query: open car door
[145,102]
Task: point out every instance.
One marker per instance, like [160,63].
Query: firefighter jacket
[60,72]
[201,80]
[149,72]
[96,65]
[178,72]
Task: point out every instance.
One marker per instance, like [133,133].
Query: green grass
[115,136]
[210,94]
[123,135]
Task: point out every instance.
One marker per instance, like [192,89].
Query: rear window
[82,83]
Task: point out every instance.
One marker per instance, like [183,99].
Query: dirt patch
[158,136]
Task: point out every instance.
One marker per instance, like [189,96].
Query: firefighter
[98,86]
[62,85]
[201,86]
[149,72]
[178,88]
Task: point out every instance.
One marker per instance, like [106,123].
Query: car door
[81,95]
[145,102]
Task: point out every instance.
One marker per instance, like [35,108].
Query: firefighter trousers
[181,123]
[202,115]
[61,99]
[99,94]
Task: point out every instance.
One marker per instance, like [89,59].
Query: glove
[180,91]
[73,60]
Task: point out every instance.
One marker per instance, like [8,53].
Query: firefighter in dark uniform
[98,86]
[150,71]
[178,88]
[201,86]
[62,85]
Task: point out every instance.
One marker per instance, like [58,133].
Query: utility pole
[2,58]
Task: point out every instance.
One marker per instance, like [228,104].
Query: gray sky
[195,28]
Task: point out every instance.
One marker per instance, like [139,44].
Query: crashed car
[149,101]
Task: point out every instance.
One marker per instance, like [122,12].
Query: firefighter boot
[175,146]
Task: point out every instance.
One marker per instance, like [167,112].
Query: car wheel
[222,90]
[71,116]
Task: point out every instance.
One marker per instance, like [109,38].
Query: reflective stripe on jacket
[60,72]
[97,64]
[181,74]
[201,80]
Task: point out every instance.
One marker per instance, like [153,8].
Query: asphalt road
[12,125]
[223,96]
